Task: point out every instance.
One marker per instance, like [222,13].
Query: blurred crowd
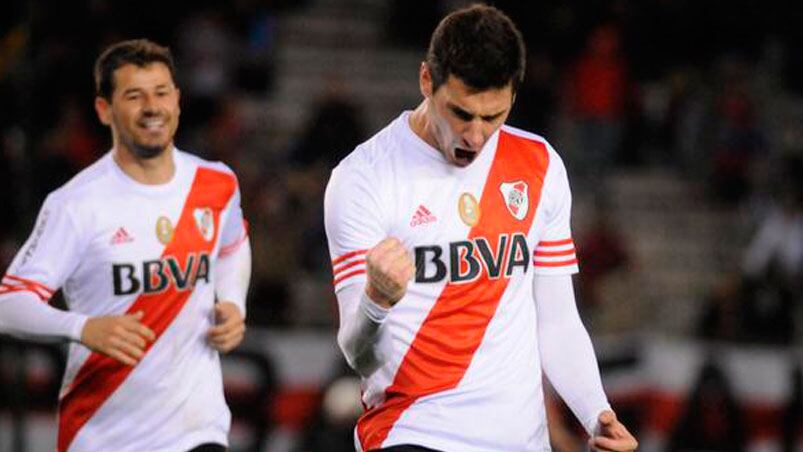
[708,89]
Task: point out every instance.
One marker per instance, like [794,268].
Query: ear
[425,80]
[104,110]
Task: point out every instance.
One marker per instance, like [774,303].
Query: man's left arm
[232,276]
[568,360]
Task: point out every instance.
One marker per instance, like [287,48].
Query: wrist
[373,310]
[378,297]
[76,333]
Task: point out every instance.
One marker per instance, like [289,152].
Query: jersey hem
[197,439]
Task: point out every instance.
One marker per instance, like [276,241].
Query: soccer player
[452,258]
[149,247]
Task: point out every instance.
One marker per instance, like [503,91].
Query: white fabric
[173,398]
[397,185]
[24,315]
[234,230]
[233,274]
[567,355]
[360,320]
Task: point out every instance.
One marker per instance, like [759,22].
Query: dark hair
[480,45]
[140,52]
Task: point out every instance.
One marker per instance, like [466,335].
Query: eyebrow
[467,115]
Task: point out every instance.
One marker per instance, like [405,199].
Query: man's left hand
[611,435]
[229,329]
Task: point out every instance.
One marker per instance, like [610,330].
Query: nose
[148,104]
[474,136]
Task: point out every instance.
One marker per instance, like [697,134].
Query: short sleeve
[555,253]
[49,256]
[354,222]
[235,229]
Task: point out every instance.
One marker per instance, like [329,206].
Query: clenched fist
[390,268]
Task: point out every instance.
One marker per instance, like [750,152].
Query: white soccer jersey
[116,246]
[461,369]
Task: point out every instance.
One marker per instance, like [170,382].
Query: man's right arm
[27,316]
[389,269]
[122,337]
[370,270]
[41,266]
[358,335]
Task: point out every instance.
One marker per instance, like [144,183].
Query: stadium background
[680,122]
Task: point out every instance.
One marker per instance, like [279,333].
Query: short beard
[147,152]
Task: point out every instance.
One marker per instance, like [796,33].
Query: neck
[154,171]
[422,125]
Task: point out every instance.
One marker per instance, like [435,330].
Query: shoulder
[217,179]
[92,180]
[374,156]
[214,166]
[524,135]
[538,144]
[357,183]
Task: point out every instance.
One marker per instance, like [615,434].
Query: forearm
[567,354]
[233,274]
[358,335]
[25,316]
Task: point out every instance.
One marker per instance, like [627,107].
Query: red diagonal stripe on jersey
[100,375]
[438,357]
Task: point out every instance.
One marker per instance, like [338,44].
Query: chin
[148,151]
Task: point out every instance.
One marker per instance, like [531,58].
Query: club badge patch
[516,198]
[469,209]
[164,230]
[205,222]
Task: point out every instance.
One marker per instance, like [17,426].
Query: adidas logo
[422,216]
[121,236]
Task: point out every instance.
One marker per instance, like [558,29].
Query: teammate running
[149,247]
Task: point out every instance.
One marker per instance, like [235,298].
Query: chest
[459,229]
[147,245]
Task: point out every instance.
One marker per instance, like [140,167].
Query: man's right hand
[122,337]
[389,268]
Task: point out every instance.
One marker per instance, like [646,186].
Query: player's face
[462,119]
[144,109]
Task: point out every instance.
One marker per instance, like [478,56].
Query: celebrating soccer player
[149,247]
[452,256]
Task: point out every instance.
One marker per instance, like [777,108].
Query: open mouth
[464,156]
